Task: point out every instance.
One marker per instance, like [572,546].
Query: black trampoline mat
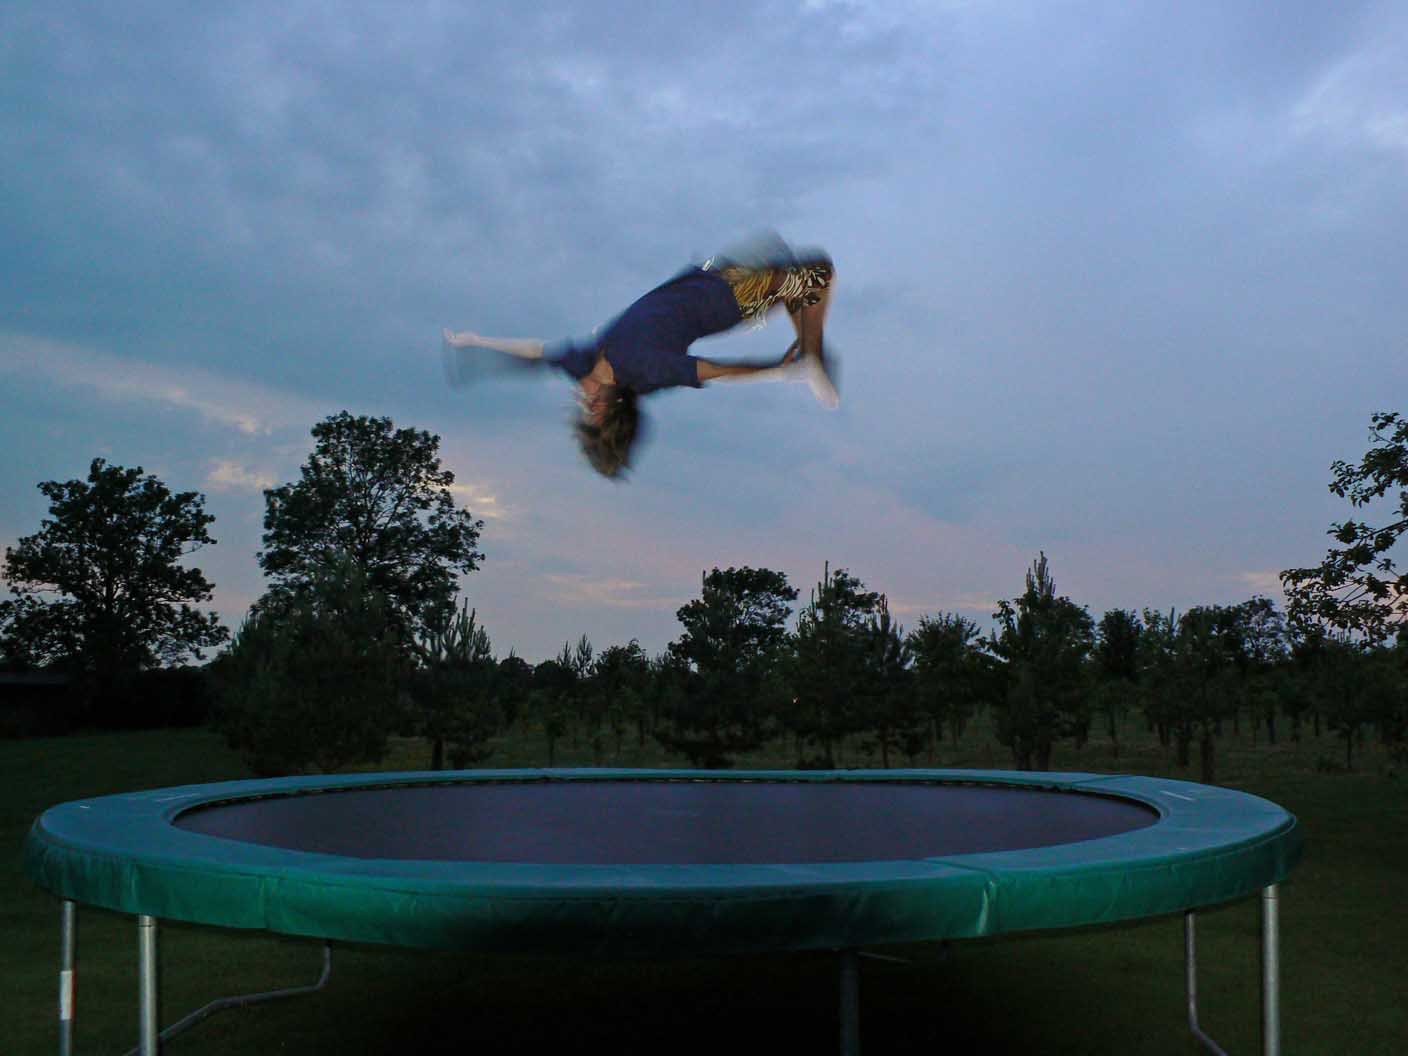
[658,822]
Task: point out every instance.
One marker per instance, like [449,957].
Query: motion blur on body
[646,347]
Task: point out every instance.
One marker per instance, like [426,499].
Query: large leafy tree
[1358,587]
[734,633]
[376,496]
[101,588]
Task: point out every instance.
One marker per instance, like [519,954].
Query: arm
[522,347]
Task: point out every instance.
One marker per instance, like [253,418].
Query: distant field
[1113,990]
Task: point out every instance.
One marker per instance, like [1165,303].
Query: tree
[951,671]
[1116,659]
[554,686]
[514,684]
[1358,588]
[110,552]
[1190,668]
[310,681]
[1156,676]
[1393,715]
[1043,641]
[620,676]
[1209,649]
[1356,688]
[376,496]
[1264,651]
[828,663]
[734,633]
[587,704]
[886,688]
[453,690]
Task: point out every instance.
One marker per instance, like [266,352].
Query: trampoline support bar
[850,1003]
[149,1040]
[68,936]
[1190,970]
[1270,978]
[1270,972]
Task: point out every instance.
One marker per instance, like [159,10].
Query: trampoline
[659,863]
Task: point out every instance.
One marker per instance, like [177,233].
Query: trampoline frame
[151,1037]
[1265,847]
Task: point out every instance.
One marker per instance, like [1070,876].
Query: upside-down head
[608,430]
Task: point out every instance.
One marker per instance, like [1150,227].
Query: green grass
[1094,991]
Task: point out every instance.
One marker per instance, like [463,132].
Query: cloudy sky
[1116,281]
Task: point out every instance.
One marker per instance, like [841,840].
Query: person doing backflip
[645,348]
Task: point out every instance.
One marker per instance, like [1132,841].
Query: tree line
[363,633]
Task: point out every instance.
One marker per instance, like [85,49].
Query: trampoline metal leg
[1270,973]
[146,986]
[1190,970]
[1270,977]
[222,1004]
[68,943]
[148,1038]
[850,1003]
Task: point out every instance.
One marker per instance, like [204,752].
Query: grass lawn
[1344,944]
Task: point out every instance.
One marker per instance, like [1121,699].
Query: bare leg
[809,321]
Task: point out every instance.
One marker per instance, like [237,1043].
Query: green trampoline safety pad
[657,862]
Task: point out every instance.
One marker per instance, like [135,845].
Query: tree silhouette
[1207,649]
[890,708]
[376,496]
[620,677]
[1264,640]
[310,680]
[100,588]
[728,678]
[454,690]
[1358,587]
[1116,657]
[829,664]
[1043,641]
[951,672]
[554,689]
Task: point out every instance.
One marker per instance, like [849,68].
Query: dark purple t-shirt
[647,344]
